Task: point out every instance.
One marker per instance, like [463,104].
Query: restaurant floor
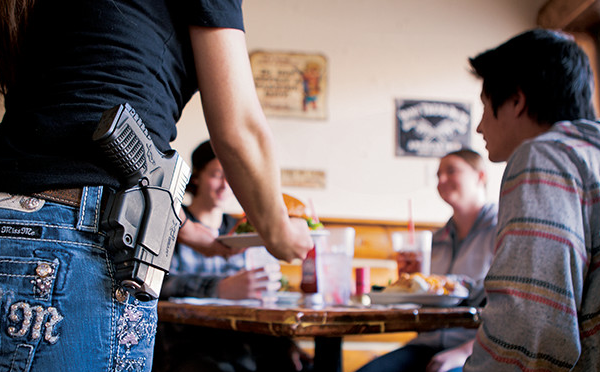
[358,350]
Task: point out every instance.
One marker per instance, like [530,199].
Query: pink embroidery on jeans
[130,365]
[133,327]
[129,326]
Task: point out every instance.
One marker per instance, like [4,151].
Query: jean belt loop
[90,209]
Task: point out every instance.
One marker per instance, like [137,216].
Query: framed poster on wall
[308,178]
[431,128]
[291,84]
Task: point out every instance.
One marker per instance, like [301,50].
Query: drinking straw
[411,224]
[312,210]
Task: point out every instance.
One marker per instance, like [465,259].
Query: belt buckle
[20,203]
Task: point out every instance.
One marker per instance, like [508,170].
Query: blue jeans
[410,358]
[60,306]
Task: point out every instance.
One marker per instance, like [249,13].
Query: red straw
[312,210]
[411,224]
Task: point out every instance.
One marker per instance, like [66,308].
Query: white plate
[253,239]
[388,298]
[288,298]
[214,301]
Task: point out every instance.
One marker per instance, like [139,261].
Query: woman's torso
[82,57]
[470,256]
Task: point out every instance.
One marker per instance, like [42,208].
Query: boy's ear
[519,102]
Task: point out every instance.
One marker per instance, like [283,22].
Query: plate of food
[244,235]
[429,290]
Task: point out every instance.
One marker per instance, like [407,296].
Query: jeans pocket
[26,317]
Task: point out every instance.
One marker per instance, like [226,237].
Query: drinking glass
[413,251]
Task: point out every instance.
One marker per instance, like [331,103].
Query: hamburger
[295,208]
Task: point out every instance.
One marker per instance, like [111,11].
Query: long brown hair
[13,21]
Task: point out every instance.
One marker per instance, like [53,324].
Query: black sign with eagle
[431,128]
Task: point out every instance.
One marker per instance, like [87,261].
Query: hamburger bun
[295,208]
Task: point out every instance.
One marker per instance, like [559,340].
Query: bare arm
[247,284]
[242,139]
[451,358]
[202,239]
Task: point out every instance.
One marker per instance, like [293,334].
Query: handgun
[141,219]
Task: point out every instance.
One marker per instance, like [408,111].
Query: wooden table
[327,326]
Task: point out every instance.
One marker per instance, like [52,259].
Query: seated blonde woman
[463,247]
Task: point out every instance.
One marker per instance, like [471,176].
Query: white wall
[377,51]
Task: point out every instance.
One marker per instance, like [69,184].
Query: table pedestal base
[328,354]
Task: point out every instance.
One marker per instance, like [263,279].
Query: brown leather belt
[71,197]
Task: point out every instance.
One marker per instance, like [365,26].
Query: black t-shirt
[82,57]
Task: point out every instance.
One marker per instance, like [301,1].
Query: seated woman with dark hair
[219,272]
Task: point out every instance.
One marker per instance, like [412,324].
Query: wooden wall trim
[568,15]
[420,225]
[581,18]
[339,221]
